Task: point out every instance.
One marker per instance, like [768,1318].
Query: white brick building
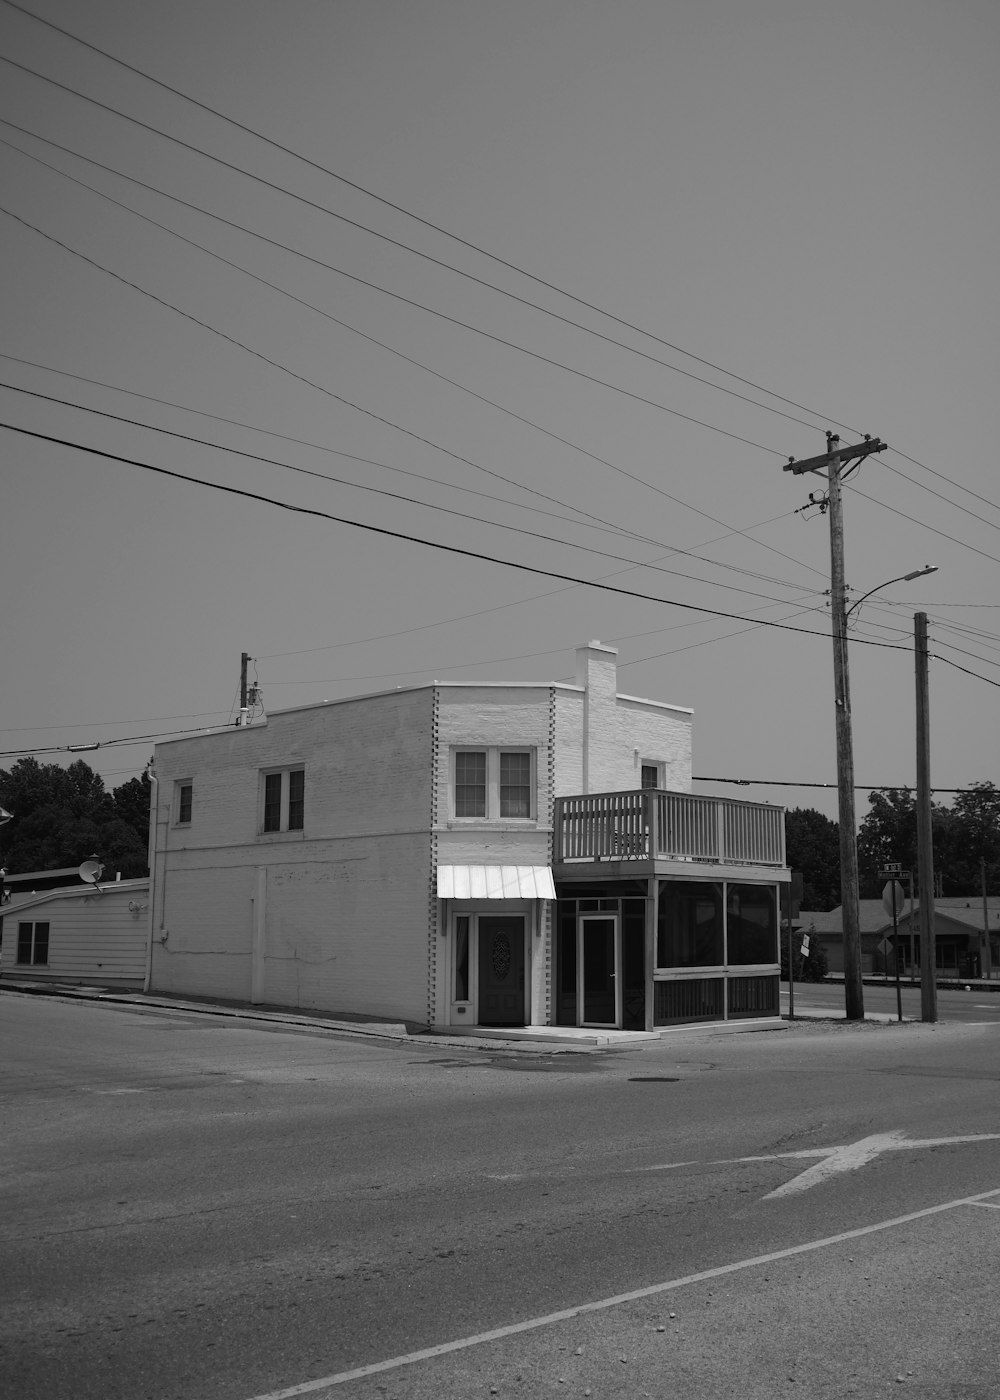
[399,855]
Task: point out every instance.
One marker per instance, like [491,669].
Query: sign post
[892,902]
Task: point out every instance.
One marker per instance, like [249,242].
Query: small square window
[651,775]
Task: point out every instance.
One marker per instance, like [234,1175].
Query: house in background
[958,936]
[77,934]
[466,855]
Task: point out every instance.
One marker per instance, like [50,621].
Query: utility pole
[244,660]
[834,461]
[986,965]
[925,843]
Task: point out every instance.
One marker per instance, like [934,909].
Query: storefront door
[598,970]
[501,970]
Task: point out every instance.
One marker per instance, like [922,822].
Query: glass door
[598,996]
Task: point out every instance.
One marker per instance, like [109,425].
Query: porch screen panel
[566,963]
[689,924]
[751,924]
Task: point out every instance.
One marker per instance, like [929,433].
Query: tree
[63,816]
[961,834]
[976,837]
[812,845]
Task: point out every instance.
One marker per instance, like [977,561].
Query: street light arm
[903,578]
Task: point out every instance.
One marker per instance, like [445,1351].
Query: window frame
[493,795]
[181,786]
[658,768]
[34,925]
[290,803]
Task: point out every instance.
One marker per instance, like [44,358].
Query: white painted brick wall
[349,914]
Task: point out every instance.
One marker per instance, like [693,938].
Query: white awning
[495,882]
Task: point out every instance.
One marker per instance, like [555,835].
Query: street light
[903,578]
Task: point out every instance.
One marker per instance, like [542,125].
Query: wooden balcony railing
[649,823]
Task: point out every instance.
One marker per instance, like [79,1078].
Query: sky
[559,285]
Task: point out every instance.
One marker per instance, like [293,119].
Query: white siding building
[399,855]
[78,934]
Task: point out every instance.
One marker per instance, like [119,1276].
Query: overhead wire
[548,538]
[362,281]
[452,486]
[286,150]
[297,155]
[339,398]
[413,539]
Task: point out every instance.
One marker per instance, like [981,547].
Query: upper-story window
[183,803]
[284,800]
[494,784]
[652,774]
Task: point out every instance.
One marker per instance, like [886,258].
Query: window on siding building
[651,775]
[284,800]
[33,944]
[494,784]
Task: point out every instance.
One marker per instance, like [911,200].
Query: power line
[296,155]
[914,521]
[859,787]
[416,539]
[315,165]
[365,282]
[410,500]
[275,364]
[451,486]
[453,320]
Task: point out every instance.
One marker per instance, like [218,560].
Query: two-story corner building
[465,855]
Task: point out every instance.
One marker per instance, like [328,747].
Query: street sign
[885,946]
[892,898]
[892,867]
[805,945]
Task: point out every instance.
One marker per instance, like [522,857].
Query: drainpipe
[154,791]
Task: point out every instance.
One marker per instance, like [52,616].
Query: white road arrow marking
[834,1160]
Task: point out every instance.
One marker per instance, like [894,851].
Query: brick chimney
[597,673]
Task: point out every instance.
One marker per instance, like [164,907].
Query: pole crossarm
[844,454]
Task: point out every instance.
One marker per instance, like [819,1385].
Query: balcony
[654,825]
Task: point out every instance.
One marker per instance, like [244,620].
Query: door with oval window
[501,970]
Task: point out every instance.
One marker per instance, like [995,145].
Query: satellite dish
[90,872]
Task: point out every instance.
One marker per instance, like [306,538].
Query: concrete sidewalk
[562,1038]
[474,1037]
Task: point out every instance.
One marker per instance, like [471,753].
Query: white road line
[603,1304]
[845,1158]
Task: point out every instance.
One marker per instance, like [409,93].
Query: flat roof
[425,685]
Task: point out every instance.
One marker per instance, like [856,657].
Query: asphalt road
[198,1207]
[974,1005]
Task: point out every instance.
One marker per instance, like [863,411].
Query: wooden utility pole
[986,965]
[925,843]
[834,461]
